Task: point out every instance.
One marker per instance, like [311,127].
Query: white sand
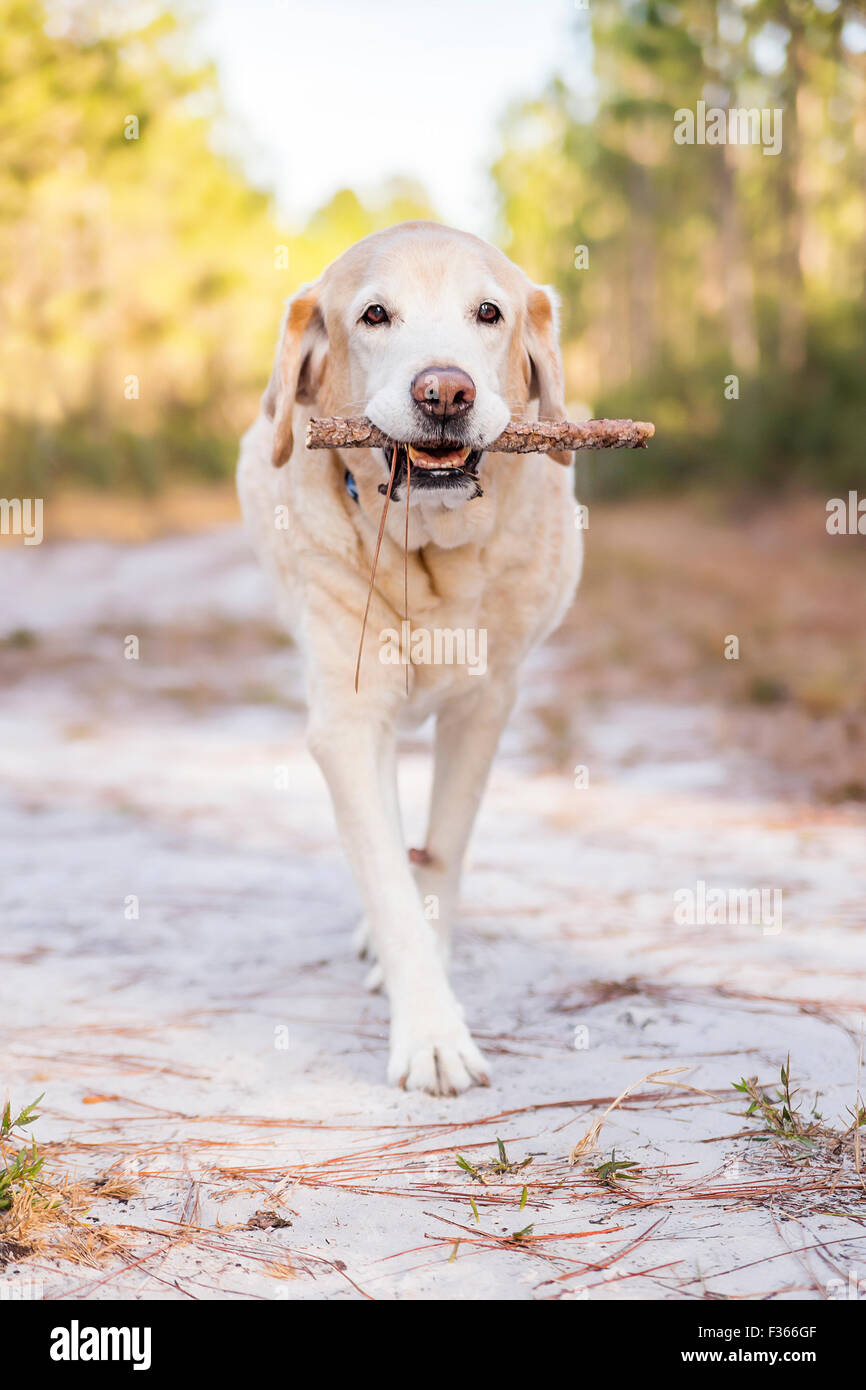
[157,1040]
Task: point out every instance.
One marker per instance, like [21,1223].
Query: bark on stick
[528,437]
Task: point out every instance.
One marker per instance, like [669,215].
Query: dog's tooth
[436,466]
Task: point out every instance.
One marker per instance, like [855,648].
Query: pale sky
[324,94]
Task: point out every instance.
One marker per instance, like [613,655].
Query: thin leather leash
[375,563]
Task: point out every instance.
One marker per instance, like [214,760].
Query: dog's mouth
[435,466]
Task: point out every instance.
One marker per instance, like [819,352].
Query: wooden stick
[529,437]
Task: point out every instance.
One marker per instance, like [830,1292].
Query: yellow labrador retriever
[440,340]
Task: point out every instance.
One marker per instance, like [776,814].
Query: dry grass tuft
[804,1138]
[589,1141]
[42,1212]
[47,1218]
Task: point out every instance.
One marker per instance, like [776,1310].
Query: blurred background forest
[155,257]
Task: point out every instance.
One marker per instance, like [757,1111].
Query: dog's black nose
[443,391]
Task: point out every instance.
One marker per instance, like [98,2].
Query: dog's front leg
[468,731]
[431,1048]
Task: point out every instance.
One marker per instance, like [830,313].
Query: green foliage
[497,1167]
[781,1114]
[614,1169]
[149,257]
[503,1164]
[524,1234]
[154,258]
[470,1169]
[704,261]
[22,1168]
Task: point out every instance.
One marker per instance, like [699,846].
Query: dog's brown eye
[375,314]
[488,313]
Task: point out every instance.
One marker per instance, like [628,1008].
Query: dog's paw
[441,1060]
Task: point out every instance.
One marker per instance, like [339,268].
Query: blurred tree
[143,275]
[704,261]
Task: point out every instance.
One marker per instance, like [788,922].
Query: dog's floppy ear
[298,366]
[542,345]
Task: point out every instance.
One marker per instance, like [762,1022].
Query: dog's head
[435,336]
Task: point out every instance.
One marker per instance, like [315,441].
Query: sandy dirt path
[220,1046]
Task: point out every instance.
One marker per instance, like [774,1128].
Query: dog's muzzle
[435,467]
